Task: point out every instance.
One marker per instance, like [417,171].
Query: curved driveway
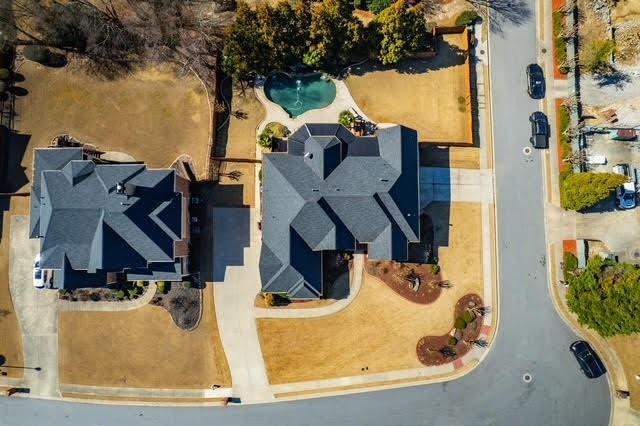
[531,337]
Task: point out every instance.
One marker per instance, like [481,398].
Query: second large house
[98,223]
[332,190]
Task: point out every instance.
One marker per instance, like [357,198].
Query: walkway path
[236,254]
[358,266]
[36,311]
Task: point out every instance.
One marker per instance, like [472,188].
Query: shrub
[38,54]
[605,297]
[4,74]
[452,341]
[272,131]
[186,284]
[580,191]
[468,316]
[467,17]
[120,294]
[140,283]
[346,118]
[377,6]
[559,44]
[434,269]
[161,287]
[596,54]
[460,323]
[134,292]
[269,299]
[570,264]
[260,175]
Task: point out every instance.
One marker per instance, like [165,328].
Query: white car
[37,273]
[625,194]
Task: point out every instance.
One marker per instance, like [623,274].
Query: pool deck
[328,114]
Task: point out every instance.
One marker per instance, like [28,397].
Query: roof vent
[308,155]
[315,190]
[119,188]
[384,180]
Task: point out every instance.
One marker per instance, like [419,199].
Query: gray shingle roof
[85,224]
[330,191]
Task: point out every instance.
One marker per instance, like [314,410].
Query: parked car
[37,273]
[625,194]
[535,81]
[589,361]
[539,130]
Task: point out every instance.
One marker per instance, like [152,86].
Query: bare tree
[448,351]
[500,12]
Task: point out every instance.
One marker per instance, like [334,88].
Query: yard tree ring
[527,150]
[527,377]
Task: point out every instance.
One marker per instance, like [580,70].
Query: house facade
[331,190]
[101,222]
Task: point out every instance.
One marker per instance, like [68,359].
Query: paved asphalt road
[531,336]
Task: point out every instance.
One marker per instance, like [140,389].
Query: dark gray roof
[330,191]
[82,219]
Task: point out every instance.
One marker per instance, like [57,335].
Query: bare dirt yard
[379,330]
[237,139]
[627,349]
[155,114]
[141,348]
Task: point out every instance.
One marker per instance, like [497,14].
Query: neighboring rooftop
[332,191]
[92,219]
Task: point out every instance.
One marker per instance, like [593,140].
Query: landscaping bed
[438,350]
[183,302]
[119,292]
[400,278]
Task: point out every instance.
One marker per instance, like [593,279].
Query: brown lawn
[154,114]
[141,348]
[240,142]
[627,349]
[429,95]
[379,329]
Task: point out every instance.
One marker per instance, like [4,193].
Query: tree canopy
[606,297]
[403,32]
[580,191]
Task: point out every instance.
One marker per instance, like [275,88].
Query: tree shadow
[612,78]
[449,55]
[506,12]
[13,175]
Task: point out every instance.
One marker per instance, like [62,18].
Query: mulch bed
[184,305]
[429,348]
[393,273]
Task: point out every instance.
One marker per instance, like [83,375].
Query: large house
[98,223]
[332,190]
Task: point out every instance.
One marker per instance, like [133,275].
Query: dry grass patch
[625,11]
[627,348]
[141,348]
[154,114]
[379,329]
[429,95]
[240,143]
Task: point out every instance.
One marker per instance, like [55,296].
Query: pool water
[299,93]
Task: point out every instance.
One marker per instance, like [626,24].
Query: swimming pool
[299,93]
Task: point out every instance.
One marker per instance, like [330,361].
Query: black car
[590,363]
[535,81]
[539,130]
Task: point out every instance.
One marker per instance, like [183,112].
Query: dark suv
[590,363]
[535,81]
[539,130]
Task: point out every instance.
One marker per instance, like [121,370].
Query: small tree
[271,132]
[346,118]
[466,18]
[596,55]
[269,299]
[377,6]
[403,32]
[606,296]
[580,191]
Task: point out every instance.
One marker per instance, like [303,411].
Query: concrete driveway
[36,311]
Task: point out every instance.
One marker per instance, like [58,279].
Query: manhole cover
[544,50]
[527,150]
[527,378]
[482,52]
